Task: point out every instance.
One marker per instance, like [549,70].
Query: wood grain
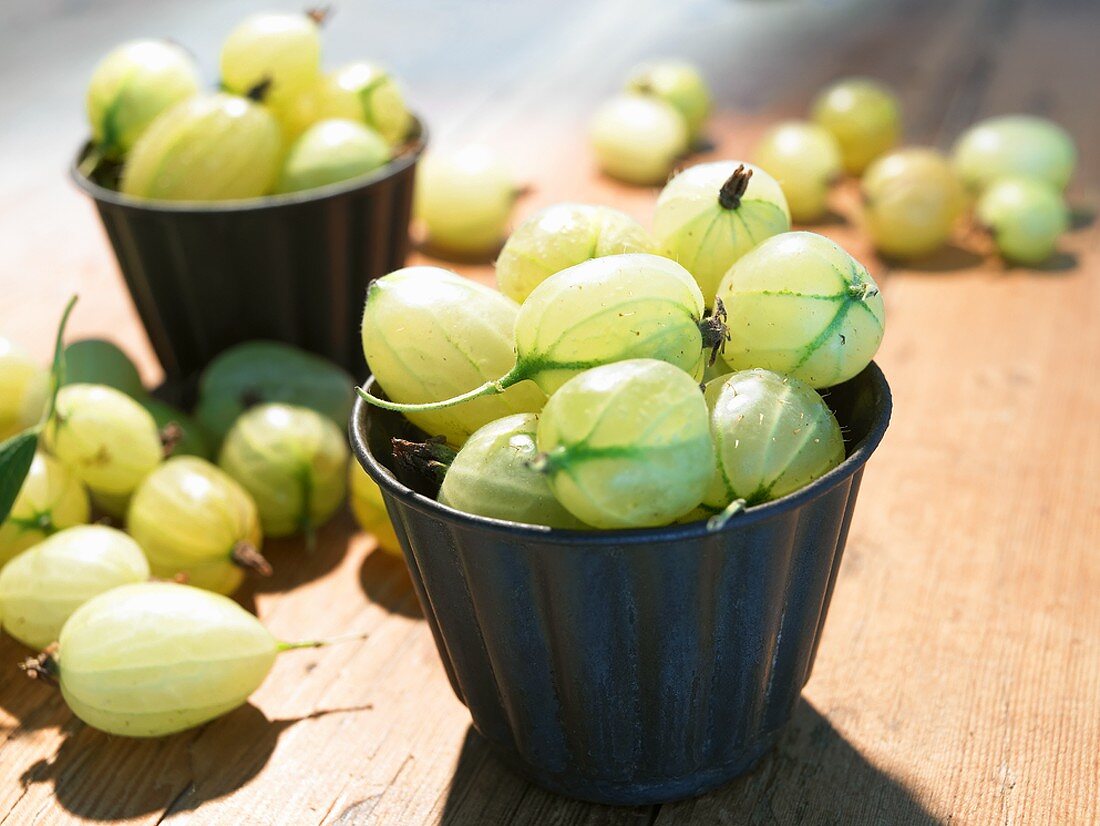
[959,673]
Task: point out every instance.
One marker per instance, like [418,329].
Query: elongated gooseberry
[294,463]
[638,138]
[600,311]
[41,588]
[800,305]
[369,509]
[464,199]
[627,445]
[492,476]
[679,84]
[864,117]
[268,371]
[772,435]
[911,200]
[24,385]
[559,237]
[96,361]
[1010,146]
[151,659]
[180,434]
[131,86]
[283,49]
[106,438]
[713,213]
[208,148]
[1026,218]
[430,334]
[804,159]
[332,151]
[191,518]
[51,499]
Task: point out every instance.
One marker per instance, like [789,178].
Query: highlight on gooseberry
[430,334]
[627,445]
[213,147]
[43,586]
[1025,216]
[369,509]
[911,201]
[330,152]
[51,499]
[772,435]
[864,117]
[96,361]
[192,518]
[463,199]
[24,385]
[492,476]
[293,461]
[800,305]
[804,159]
[283,49]
[711,214]
[131,86]
[1016,146]
[638,138]
[104,437]
[600,311]
[269,371]
[679,84]
[560,236]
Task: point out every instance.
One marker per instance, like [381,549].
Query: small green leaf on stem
[16,456]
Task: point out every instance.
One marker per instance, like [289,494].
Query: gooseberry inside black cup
[291,268]
[629,666]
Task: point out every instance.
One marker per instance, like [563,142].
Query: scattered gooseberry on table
[864,117]
[679,84]
[1019,146]
[804,159]
[369,509]
[1025,216]
[638,138]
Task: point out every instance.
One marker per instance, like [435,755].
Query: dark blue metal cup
[630,666]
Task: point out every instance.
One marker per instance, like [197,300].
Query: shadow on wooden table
[385,580]
[814,776]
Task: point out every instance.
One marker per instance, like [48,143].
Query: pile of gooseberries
[277,124]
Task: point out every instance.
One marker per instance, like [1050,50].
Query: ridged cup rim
[413,149]
[855,460]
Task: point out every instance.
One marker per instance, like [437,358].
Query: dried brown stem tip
[246,556]
[43,667]
[258,93]
[729,196]
[715,330]
[319,14]
[431,458]
[170,437]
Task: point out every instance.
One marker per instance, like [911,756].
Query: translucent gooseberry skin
[1017,146]
[692,226]
[492,476]
[561,236]
[772,435]
[269,371]
[911,201]
[42,587]
[330,152]
[678,83]
[464,199]
[215,147]
[800,305]
[804,159]
[369,509]
[131,86]
[282,48]
[864,117]
[637,139]
[24,385]
[293,461]
[97,361]
[628,445]
[51,499]
[1026,218]
[189,517]
[429,334]
[153,659]
[104,437]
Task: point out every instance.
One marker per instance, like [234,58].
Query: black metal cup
[630,666]
[293,268]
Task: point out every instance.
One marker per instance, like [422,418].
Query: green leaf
[57,374]
[16,456]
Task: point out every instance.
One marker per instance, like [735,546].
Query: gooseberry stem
[490,388]
[729,196]
[715,331]
[44,666]
[719,520]
[431,458]
[295,646]
[862,291]
[258,92]
[170,437]
[246,555]
[319,14]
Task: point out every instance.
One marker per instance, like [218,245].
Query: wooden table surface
[959,675]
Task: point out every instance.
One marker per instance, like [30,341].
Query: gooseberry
[332,151]
[800,305]
[369,509]
[52,498]
[1015,146]
[1026,218]
[864,117]
[679,84]
[283,49]
[380,101]
[638,138]
[24,385]
[804,159]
